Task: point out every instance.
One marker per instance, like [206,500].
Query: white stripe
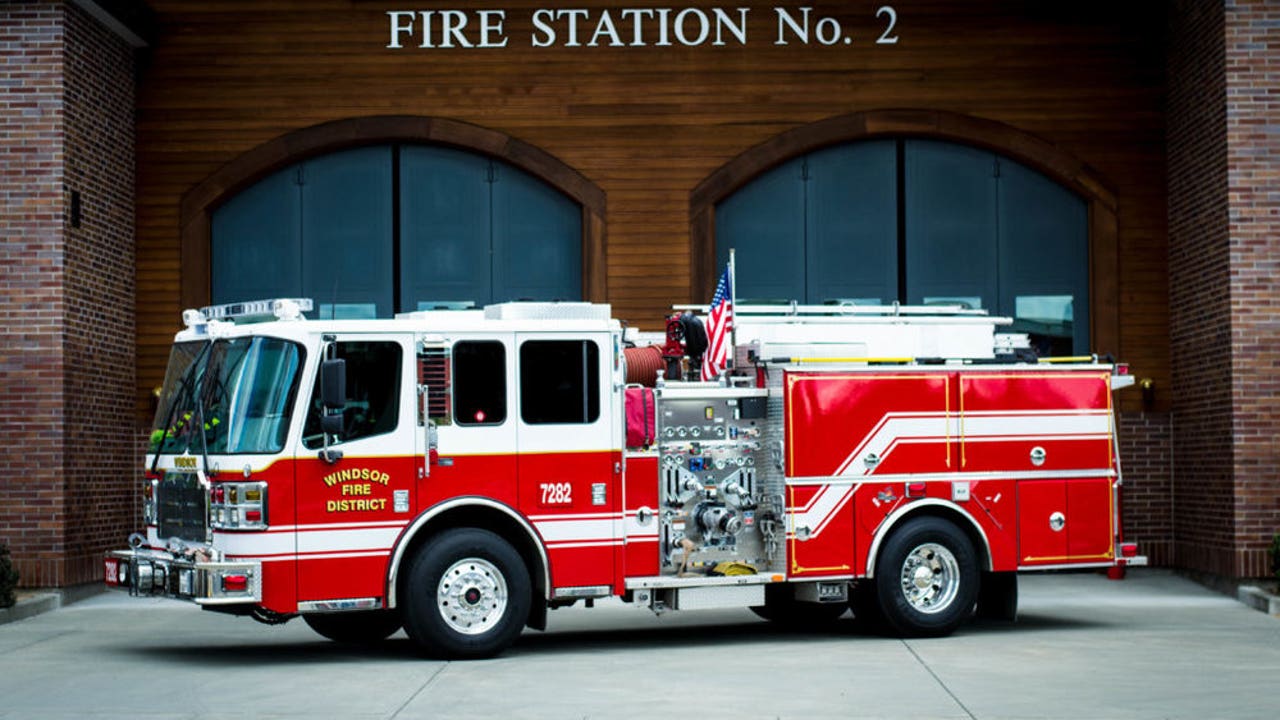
[818,513]
[1030,425]
[892,427]
[571,545]
[898,428]
[956,477]
[347,540]
[576,516]
[553,531]
[318,556]
[338,526]
[255,544]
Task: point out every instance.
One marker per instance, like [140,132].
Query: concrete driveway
[1152,646]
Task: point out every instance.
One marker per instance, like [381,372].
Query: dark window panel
[537,239]
[559,382]
[764,223]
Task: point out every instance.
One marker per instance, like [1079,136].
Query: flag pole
[733,309]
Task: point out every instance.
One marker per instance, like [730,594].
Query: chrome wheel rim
[472,596]
[930,578]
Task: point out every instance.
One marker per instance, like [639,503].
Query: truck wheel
[998,596]
[466,595]
[355,628]
[781,607]
[926,578]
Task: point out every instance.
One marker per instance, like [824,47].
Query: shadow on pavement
[576,641]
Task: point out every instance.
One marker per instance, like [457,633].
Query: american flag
[719,323]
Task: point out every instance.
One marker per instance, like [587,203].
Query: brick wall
[1224,218]
[31,289]
[1199,290]
[1146,457]
[102,454]
[1253,187]
[66,294]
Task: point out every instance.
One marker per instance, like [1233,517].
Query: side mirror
[333,399]
[333,384]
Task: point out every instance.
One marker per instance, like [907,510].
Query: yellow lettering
[348,474]
[359,505]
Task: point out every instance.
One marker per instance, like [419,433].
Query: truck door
[470,447]
[570,453]
[350,509]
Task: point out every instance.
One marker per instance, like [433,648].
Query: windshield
[227,397]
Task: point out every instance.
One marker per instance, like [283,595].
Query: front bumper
[156,573]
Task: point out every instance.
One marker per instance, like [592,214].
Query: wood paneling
[647,126]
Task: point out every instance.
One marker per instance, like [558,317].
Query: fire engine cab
[458,473]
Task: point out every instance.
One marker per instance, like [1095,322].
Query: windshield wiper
[213,385]
[181,397]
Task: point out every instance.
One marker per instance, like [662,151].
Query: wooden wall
[648,124]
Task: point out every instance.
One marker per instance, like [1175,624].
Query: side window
[559,382]
[373,393]
[479,383]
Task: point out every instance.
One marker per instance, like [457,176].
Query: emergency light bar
[255,310]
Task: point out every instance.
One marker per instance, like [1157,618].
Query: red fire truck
[459,473]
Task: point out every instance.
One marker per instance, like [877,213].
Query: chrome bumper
[154,573]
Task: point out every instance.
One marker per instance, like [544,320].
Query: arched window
[376,230]
[919,222]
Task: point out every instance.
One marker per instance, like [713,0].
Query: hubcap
[930,578]
[472,596]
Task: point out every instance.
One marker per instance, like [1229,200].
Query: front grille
[182,505]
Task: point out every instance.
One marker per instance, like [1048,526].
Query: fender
[897,515]
[435,511]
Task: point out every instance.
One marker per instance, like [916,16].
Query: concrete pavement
[1152,646]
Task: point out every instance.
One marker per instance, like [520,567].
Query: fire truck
[459,473]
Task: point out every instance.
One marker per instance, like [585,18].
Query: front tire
[927,578]
[466,595]
[355,628]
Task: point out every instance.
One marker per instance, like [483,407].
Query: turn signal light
[238,506]
[1128,550]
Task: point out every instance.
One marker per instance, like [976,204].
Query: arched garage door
[918,222]
[391,228]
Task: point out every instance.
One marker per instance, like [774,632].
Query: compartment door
[1035,421]
[1065,522]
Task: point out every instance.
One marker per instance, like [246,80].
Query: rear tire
[926,578]
[466,595]
[355,628]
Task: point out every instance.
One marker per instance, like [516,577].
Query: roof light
[257,310]
[286,309]
[191,318]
